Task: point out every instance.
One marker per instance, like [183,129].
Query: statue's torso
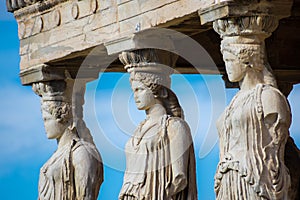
[51,183]
[250,151]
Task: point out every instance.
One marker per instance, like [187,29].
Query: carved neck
[67,136]
[155,111]
[251,79]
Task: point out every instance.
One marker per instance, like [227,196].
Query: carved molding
[75,11]
[31,6]
[48,73]
[238,8]
[13,5]
[150,64]
[246,26]
[144,56]
[59,90]
[43,16]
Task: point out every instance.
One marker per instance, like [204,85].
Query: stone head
[56,106]
[239,58]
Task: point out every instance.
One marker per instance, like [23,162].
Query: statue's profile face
[235,69]
[54,127]
[143,96]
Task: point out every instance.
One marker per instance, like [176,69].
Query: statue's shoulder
[274,102]
[83,150]
[176,122]
[269,92]
[87,163]
[177,125]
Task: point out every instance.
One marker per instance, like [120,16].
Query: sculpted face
[143,96]
[235,69]
[54,127]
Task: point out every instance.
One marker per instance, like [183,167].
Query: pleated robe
[160,166]
[251,163]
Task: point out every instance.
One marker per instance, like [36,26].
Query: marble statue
[75,169]
[254,128]
[160,160]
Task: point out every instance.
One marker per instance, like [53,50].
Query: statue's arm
[180,144]
[87,173]
[276,114]
[277,119]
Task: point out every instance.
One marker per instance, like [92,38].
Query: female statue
[75,170]
[253,129]
[159,156]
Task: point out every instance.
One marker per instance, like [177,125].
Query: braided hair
[162,93]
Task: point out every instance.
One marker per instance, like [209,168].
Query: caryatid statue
[75,170]
[254,128]
[160,160]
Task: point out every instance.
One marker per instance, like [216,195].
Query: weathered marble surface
[160,160]
[254,128]
[13,5]
[56,29]
[75,169]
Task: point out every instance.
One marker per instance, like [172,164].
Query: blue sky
[110,114]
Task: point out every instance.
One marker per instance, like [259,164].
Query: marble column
[75,170]
[254,129]
[160,160]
